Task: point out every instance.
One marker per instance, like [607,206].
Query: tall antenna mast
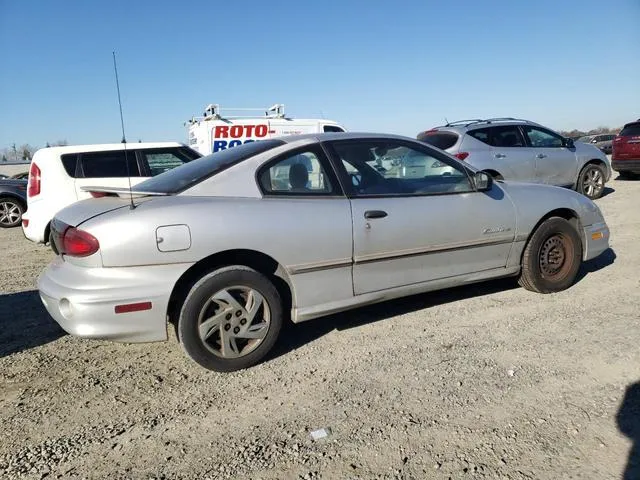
[124,140]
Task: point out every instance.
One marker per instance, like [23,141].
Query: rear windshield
[441,140]
[631,130]
[180,178]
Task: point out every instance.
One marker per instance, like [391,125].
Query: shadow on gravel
[628,420]
[603,260]
[294,336]
[607,191]
[24,323]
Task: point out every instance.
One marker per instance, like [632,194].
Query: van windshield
[187,175]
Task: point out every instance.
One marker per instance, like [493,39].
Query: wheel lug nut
[227,326]
[236,330]
[228,316]
[238,313]
[243,321]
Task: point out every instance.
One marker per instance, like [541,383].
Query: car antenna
[124,140]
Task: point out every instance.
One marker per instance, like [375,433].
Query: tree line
[24,152]
[596,131]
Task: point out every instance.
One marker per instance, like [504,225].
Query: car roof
[475,123]
[100,147]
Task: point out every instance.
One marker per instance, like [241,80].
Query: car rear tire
[591,181]
[230,319]
[11,211]
[552,257]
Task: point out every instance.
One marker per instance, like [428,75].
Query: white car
[57,175]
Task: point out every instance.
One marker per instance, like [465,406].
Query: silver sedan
[229,246]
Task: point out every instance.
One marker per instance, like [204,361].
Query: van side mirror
[483,181]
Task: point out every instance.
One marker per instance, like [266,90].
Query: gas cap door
[173,238]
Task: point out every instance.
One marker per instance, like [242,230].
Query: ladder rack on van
[213,112]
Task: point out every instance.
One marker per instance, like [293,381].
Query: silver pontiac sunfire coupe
[227,246]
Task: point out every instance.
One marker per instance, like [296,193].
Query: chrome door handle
[500,155]
[541,155]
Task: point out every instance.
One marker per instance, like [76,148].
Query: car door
[509,155]
[107,169]
[409,229]
[555,163]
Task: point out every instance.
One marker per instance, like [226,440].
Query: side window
[393,168]
[542,138]
[159,160]
[332,128]
[506,136]
[481,134]
[298,174]
[69,161]
[108,164]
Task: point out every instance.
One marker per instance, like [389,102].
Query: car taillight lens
[34,180]
[78,243]
[462,155]
[98,194]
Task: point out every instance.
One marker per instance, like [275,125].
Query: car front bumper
[596,240]
[626,165]
[83,300]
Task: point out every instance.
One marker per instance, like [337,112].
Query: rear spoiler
[119,191]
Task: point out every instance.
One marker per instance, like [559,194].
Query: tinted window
[392,168]
[187,175]
[108,164]
[542,138]
[299,174]
[159,160]
[482,134]
[442,140]
[69,162]
[631,130]
[506,136]
[332,128]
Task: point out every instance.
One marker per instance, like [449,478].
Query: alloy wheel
[592,182]
[9,213]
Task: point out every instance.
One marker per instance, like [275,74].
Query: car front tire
[230,319]
[552,257]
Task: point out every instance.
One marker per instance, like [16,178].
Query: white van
[214,132]
[57,175]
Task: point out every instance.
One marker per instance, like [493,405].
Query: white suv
[57,175]
[521,150]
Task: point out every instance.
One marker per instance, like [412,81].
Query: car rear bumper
[596,240]
[626,165]
[83,300]
[37,221]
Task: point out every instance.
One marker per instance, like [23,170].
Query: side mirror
[483,181]
[569,143]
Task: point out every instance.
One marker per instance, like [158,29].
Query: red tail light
[34,180]
[461,155]
[78,243]
[98,194]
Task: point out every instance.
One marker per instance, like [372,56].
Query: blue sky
[388,66]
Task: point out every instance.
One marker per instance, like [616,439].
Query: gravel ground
[488,381]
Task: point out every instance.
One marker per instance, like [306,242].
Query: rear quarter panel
[301,234]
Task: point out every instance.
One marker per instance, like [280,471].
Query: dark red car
[625,157]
